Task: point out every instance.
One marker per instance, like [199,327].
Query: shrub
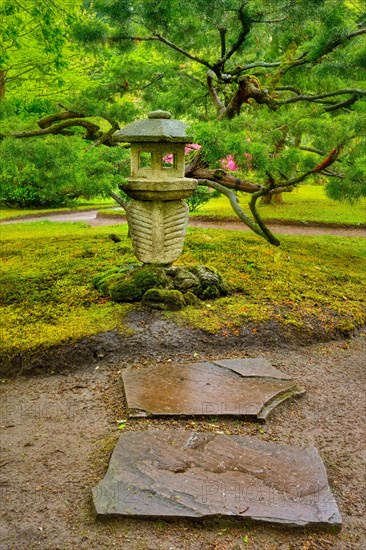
[55,170]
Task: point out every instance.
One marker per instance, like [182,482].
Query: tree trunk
[2,84]
[277,198]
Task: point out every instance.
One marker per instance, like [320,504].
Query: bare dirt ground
[58,430]
[92,218]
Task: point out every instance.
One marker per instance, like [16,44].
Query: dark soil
[59,429]
[154,338]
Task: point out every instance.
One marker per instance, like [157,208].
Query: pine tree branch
[312,150]
[328,161]
[343,104]
[57,129]
[310,98]
[288,88]
[220,107]
[107,137]
[198,169]
[183,52]
[47,121]
[223,31]
[160,38]
[221,176]
[336,43]
[248,88]
[243,68]
[246,26]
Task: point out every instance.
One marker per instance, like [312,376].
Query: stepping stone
[249,388]
[174,474]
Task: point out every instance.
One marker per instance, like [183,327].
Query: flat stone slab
[231,387]
[180,474]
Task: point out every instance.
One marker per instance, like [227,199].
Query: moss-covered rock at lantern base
[211,284]
[131,282]
[104,280]
[191,299]
[129,285]
[159,298]
[183,279]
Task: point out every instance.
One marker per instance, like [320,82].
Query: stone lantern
[157,215]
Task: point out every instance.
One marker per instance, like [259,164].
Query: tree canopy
[279,86]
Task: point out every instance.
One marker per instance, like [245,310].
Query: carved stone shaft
[158,229]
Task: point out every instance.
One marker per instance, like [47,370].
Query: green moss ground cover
[307,203]
[47,296]
[81,204]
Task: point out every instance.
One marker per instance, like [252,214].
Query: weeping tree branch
[267,233]
[119,200]
[272,189]
[239,211]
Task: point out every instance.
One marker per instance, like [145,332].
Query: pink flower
[229,163]
[168,158]
[191,147]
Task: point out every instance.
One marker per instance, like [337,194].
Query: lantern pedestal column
[158,219]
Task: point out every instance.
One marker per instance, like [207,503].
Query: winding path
[91,217]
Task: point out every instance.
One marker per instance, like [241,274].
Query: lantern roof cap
[158,127]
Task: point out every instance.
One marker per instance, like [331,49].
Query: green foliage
[33,41]
[55,170]
[101,54]
[199,197]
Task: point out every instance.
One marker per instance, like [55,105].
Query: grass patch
[306,204]
[306,280]
[47,297]
[81,204]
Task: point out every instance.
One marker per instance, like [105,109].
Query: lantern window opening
[169,161]
[145,160]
